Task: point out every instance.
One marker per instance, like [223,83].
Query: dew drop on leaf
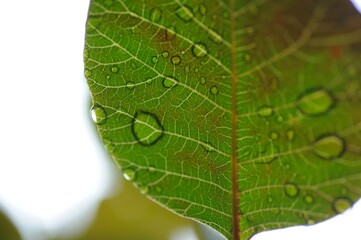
[308,199]
[144,189]
[154,59]
[315,102]
[98,114]
[202,10]
[291,190]
[265,111]
[199,50]
[329,147]
[129,174]
[341,204]
[169,82]
[130,85]
[175,60]
[146,128]
[202,80]
[158,189]
[270,199]
[247,57]
[274,135]
[114,69]
[155,15]
[88,73]
[214,90]
[108,77]
[184,13]
[165,54]
[290,134]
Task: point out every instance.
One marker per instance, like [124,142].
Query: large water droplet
[265,111]
[146,128]
[184,13]
[175,60]
[155,15]
[98,114]
[129,174]
[291,190]
[329,147]
[169,82]
[316,102]
[340,205]
[114,69]
[199,50]
[214,90]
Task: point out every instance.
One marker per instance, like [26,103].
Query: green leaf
[243,115]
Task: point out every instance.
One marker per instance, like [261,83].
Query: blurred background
[56,180]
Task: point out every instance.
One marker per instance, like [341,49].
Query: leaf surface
[243,115]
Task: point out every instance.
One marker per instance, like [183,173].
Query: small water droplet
[129,174]
[308,199]
[340,205]
[158,189]
[290,134]
[88,73]
[146,128]
[269,199]
[143,189]
[130,85]
[279,119]
[185,13]
[175,60]
[247,57]
[202,80]
[215,37]
[196,69]
[214,90]
[114,69]
[155,15]
[199,50]
[110,147]
[202,9]
[265,111]
[165,54]
[98,114]
[274,135]
[316,102]
[108,77]
[154,59]
[329,147]
[169,82]
[291,190]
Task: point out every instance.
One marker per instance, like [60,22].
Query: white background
[53,171]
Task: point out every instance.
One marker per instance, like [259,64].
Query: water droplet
[114,69]
[130,85]
[169,82]
[265,111]
[184,13]
[247,57]
[146,128]
[202,80]
[133,65]
[310,221]
[340,205]
[274,135]
[199,50]
[165,54]
[155,15]
[151,169]
[176,60]
[98,114]
[202,10]
[270,199]
[215,37]
[170,33]
[158,189]
[129,174]
[316,102]
[214,90]
[290,134]
[143,189]
[280,119]
[154,59]
[108,77]
[88,73]
[308,199]
[291,190]
[329,147]
[196,69]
